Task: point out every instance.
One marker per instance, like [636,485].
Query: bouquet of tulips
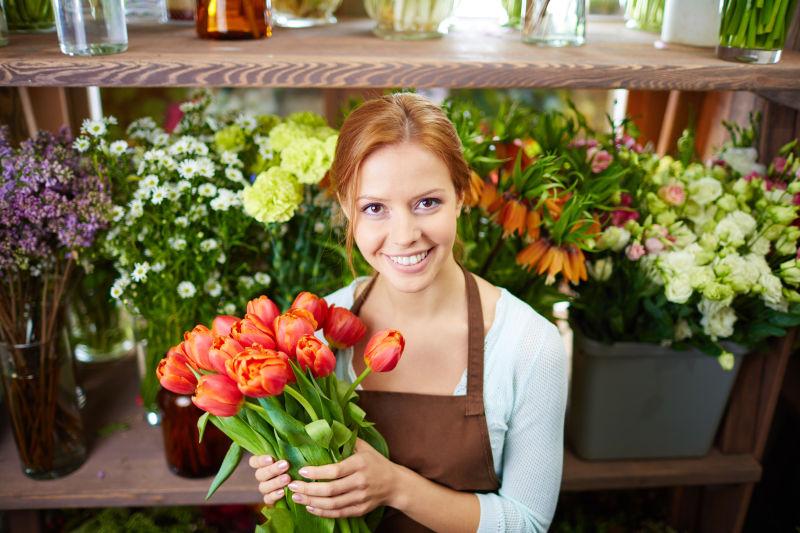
[267,381]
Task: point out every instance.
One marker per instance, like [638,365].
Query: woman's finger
[268,472]
[342,501]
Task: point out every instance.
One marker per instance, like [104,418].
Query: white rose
[741,160]
[705,190]
[678,290]
[719,324]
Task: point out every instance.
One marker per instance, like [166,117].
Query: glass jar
[754,32]
[3,26]
[410,19]
[29,15]
[185,454]
[146,11]
[692,22]
[42,401]
[514,11]
[304,13]
[233,19]
[559,23]
[644,14]
[91,27]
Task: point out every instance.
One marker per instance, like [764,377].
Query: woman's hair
[392,119]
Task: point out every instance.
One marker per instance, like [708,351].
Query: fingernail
[311,509]
[303,472]
[266,460]
[297,497]
[278,493]
[294,485]
[283,464]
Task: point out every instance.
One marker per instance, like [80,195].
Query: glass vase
[644,15]
[3,25]
[304,13]
[514,11]
[410,19]
[146,11]
[233,19]
[754,32]
[91,27]
[554,22]
[185,454]
[29,15]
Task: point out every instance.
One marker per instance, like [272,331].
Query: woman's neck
[444,294]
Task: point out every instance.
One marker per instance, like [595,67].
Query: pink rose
[635,251]
[653,245]
[599,159]
[672,194]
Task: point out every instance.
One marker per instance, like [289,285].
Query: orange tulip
[259,372]
[196,344]
[473,193]
[222,325]
[174,374]
[312,353]
[313,304]
[513,217]
[383,350]
[250,330]
[343,328]
[218,395]
[292,325]
[222,350]
[264,308]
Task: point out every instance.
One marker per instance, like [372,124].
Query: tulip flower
[263,308]
[312,353]
[250,330]
[218,394]
[343,328]
[196,344]
[292,325]
[260,372]
[313,304]
[222,350]
[174,374]
[383,350]
[222,324]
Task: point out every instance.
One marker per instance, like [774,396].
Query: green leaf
[260,424]
[320,431]
[278,520]
[375,439]
[201,425]
[229,464]
[340,434]
[356,413]
[242,434]
[287,426]
[309,391]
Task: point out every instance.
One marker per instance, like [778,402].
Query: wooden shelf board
[347,55]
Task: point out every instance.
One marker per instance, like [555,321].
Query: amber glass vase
[185,455]
[233,19]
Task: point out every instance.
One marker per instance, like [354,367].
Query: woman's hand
[360,483]
[272,477]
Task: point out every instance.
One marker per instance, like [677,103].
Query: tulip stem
[302,401]
[353,386]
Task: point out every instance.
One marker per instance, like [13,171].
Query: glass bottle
[233,19]
[554,22]
[91,27]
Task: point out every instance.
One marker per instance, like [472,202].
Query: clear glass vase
[91,27]
[304,13]
[146,11]
[410,19]
[514,11]
[29,15]
[644,15]
[3,25]
[754,32]
[554,22]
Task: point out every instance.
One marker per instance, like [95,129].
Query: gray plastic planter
[634,400]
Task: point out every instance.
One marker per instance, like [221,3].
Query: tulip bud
[292,325]
[343,329]
[218,395]
[196,344]
[260,372]
[222,350]
[250,330]
[312,353]
[174,374]
[383,350]
[222,324]
[264,308]
[313,304]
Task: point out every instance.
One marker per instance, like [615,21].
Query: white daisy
[246,122]
[111,119]
[229,308]
[183,185]
[208,245]
[181,221]
[230,158]
[186,289]
[95,128]
[81,144]
[222,258]
[207,189]
[159,194]
[149,182]
[159,138]
[262,278]
[177,243]
[213,288]
[139,272]
[187,169]
[135,209]
[118,148]
[117,212]
[234,174]
[246,281]
[158,267]
[116,291]
[205,167]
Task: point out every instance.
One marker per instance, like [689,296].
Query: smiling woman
[474,412]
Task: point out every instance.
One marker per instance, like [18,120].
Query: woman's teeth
[408,260]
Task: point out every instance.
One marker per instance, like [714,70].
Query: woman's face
[406,211]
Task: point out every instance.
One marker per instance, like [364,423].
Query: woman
[474,412]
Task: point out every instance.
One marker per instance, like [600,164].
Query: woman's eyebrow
[426,193]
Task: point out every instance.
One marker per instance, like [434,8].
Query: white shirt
[525,396]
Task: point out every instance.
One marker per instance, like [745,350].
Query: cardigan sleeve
[533,447]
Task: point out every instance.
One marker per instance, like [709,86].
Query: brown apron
[442,438]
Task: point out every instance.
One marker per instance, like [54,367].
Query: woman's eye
[429,203]
[372,209]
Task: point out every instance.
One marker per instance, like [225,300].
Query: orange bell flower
[174,374]
[222,350]
[312,353]
[222,324]
[490,200]
[473,193]
[383,350]
[290,326]
[218,394]
[513,217]
[196,344]
[313,304]
[250,330]
[259,372]
[343,328]
[530,256]
[263,308]
[533,224]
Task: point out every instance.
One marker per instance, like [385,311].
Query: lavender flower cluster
[49,205]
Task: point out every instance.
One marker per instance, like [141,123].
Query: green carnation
[230,139]
[307,118]
[309,160]
[273,197]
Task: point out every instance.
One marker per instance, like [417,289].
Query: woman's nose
[405,230]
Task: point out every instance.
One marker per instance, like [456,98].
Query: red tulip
[196,344]
[292,325]
[223,349]
[264,308]
[383,350]
[313,304]
[218,394]
[312,353]
[222,325]
[250,330]
[260,372]
[343,328]
[174,374]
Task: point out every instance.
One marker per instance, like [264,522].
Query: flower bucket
[632,400]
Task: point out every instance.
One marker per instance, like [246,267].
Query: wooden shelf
[127,468]
[347,55]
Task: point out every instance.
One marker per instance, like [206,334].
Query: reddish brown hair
[392,119]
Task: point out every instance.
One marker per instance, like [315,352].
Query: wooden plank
[646,109]
[347,55]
